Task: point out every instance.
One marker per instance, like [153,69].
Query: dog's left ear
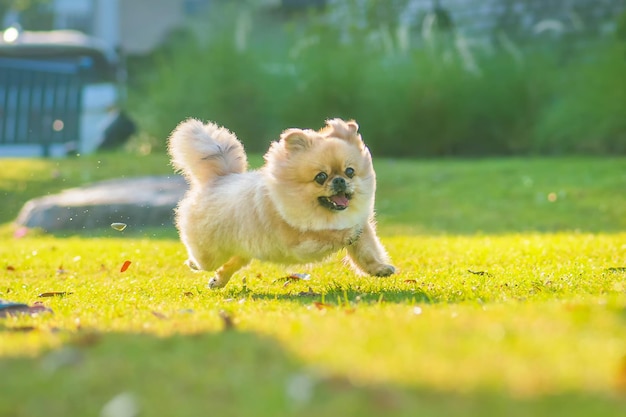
[343,130]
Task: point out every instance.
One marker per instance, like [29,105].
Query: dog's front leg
[224,272]
[368,254]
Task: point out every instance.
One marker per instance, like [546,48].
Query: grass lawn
[510,300]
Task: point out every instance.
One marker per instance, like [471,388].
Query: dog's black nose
[339,184]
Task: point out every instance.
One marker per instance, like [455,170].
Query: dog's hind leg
[223,274]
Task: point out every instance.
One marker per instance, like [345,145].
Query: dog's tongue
[340,200]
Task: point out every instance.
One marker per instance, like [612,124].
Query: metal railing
[40,102]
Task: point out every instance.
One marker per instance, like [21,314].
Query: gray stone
[138,202]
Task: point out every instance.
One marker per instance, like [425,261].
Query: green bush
[442,95]
[210,82]
[589,113]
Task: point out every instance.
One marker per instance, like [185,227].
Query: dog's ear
[295,140]
[343,130]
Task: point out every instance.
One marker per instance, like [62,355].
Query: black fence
[40,102]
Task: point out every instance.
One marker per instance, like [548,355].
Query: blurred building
[137,26]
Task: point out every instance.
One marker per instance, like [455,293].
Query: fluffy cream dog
[313,197]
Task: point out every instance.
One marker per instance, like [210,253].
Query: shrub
[589,113]
[412,95]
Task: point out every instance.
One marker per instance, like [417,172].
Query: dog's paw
[215,283]
[383,270]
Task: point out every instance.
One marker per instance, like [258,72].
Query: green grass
[506,303]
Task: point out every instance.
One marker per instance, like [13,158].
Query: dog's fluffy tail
[203,152]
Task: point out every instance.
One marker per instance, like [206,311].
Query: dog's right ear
[295,140]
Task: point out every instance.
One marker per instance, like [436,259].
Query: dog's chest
[312,246]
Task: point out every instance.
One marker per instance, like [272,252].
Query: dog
[313,197]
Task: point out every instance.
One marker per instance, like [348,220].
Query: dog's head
[321,180]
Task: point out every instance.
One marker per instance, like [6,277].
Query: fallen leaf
[159,315]
[321,306]
[294,277]
[54,294]
[227,319]
[125,266]
[309,293]
[10,268]
[304,277]
[188,294]
[479,273]
[118,226]
[410,281]
[21,329]
[85,339]
[383,400]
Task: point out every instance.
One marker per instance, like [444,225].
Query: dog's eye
[350,172]
[321,178]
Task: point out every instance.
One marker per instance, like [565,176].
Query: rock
[138,202]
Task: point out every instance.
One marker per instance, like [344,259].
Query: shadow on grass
[234,373]
[341,296]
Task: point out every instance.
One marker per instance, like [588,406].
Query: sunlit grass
[505,304]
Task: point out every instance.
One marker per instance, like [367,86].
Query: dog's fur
[280,212]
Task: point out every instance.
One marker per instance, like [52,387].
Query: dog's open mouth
[339,201]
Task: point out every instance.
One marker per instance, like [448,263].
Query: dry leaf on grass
[86,339]
[479,273]
[125,266]
[21,329]
[227,319]
[54,294]
[159,315]
[293,277]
